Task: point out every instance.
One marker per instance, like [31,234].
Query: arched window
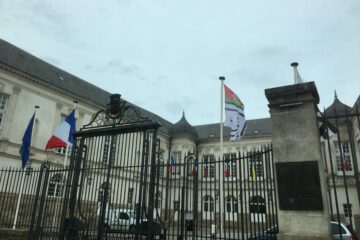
[56,186]
[208,204]
[231,204]
[257,204]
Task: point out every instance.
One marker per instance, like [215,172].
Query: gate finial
[113,107]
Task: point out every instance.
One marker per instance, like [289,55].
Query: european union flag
[26,142]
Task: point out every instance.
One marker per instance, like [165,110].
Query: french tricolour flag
[63,135]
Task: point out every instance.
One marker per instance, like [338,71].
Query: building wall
[23,94]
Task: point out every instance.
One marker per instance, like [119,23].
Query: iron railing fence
[340,141]
[18,194]
[189,199]
[231,198]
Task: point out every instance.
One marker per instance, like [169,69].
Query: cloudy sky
[166,55]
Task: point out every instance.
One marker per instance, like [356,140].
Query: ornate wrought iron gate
[118,187]
[109,188]
[339,128]
[191,190]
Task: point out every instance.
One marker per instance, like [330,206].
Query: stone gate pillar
[299,171]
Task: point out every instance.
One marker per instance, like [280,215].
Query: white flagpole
[221,194]
[64,179]
[23,179]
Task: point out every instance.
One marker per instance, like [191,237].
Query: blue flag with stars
[26,142]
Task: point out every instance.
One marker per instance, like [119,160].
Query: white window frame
[257,159]
[56,186]
[257,208]
[230,163]
[176,168]
[346,151]
[3,102]
[347,209]
[208,207]
[208,167]
[158,198]
[231,208]
[106,149]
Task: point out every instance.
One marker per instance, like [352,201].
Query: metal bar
[342,161]
[332,175]
[42,200]
[126,128]
[34,211]
[105,206]
[353,155]
[327,174]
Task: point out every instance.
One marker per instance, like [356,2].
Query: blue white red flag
[346,163]
[172,163]
[196,168]
[63,135]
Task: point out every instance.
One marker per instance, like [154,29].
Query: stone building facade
[26,81]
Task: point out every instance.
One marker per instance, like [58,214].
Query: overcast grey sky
[166,55]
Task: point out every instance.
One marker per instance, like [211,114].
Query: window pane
[3,100]
[130,195]
[209,166]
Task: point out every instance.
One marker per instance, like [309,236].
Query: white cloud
[166,56]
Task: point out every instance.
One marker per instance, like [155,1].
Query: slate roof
[337,106]
[261,126]
[16,58]
[42,72]
[183,127]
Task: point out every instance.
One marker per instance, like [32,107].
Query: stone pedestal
[299,171]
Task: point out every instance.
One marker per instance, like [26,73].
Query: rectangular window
[158,198]
[230,165]
[56,186]
[130,195]
[347,210]
[176,205]
[3,101]
[209,166]
[109,149]
[256,168]
[160,169]
[344,162]
[176,169]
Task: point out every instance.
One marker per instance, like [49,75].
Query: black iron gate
[109,188]
[118,187]
[229,198]
[339,128]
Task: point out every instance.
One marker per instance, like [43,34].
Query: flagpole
[67,146]
[221,194]
[22,180]
[65,163]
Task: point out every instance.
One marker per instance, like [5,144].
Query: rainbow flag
[234,114]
